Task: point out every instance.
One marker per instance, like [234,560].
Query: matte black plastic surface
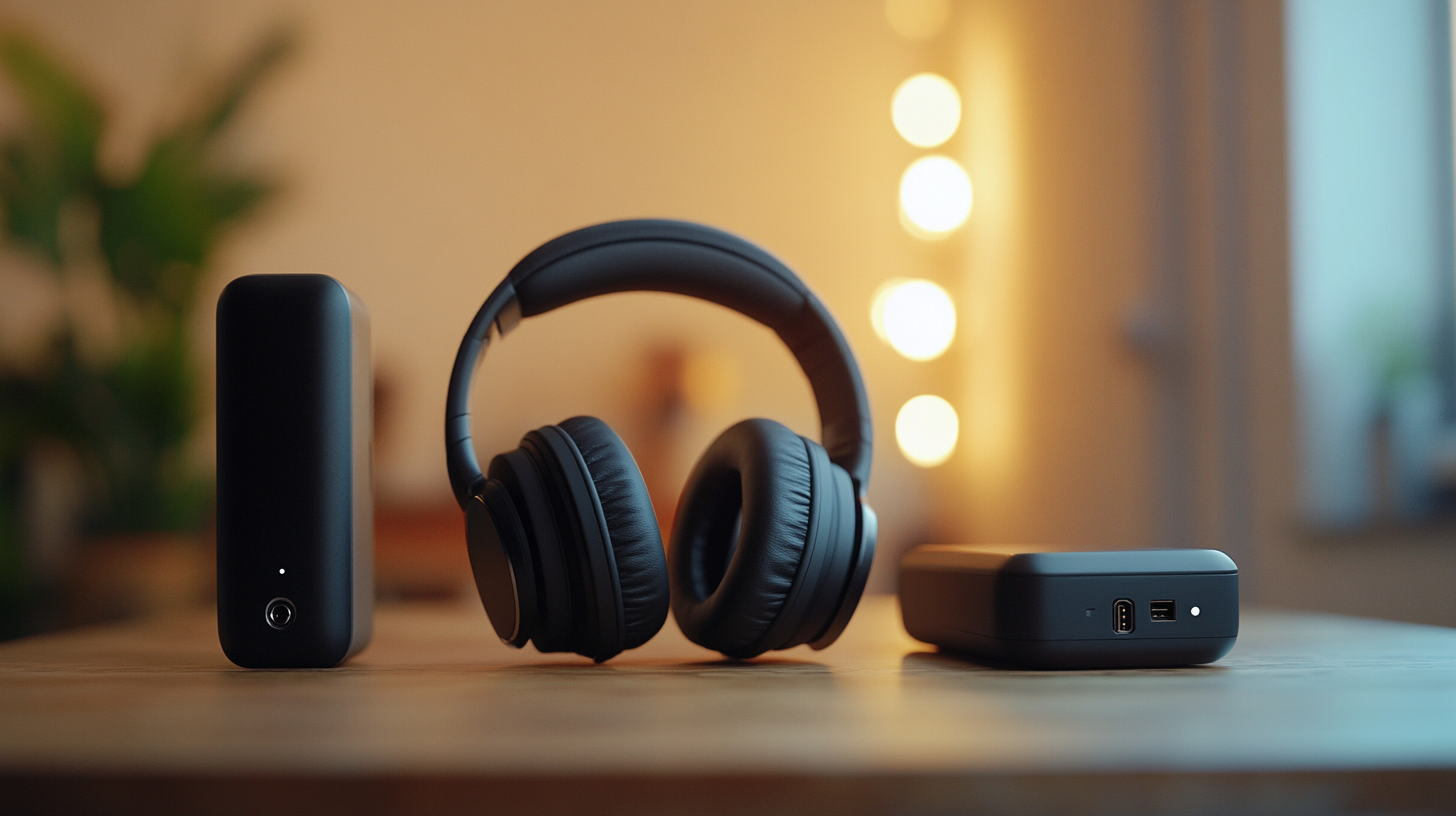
[1056,609]
[286,470]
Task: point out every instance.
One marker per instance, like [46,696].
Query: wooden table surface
[1308,714]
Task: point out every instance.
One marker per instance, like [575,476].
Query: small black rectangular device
[1049,609]
[295,516]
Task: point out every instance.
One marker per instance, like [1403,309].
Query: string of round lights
[917,317]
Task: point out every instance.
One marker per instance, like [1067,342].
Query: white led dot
[1194,611]
[280,571]
[935,197]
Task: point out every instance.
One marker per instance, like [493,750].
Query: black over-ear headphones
[773,538]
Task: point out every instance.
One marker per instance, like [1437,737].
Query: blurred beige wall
[426,146]
[1057,445]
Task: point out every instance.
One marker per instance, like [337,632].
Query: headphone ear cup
[636,541]
[526,487]
[501,563]
[740,534]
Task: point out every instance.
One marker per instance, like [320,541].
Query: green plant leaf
[128,418]
[271,51]
[159,230]
[53,159]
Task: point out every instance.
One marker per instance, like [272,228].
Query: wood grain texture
[1307,714]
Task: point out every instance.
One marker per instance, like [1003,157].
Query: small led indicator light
[1194,611]
[280,572]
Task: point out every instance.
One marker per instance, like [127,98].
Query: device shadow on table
[946,662]
[762,666]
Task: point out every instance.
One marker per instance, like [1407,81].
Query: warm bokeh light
[935,196]
[877,305]
[926,110]
[926,429]
[917,19]
[916,317]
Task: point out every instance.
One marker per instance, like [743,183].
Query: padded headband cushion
[631,524]
[762,467]
[686,259]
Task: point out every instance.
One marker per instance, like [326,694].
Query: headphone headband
[685,259]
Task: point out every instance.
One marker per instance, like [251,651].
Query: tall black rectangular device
[1041,608]
[295,516]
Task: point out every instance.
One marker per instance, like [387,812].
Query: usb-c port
[1122,616]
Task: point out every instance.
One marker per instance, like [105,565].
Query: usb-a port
[1163,610]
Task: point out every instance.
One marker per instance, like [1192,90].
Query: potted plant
[128,414]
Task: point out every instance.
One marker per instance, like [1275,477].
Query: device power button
[280,613]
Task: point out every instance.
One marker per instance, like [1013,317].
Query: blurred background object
[1371,225]
[1121,274]
[97,418]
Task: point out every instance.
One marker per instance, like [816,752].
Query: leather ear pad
[726,592]
[631,525]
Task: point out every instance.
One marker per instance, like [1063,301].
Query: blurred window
[1371,223]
